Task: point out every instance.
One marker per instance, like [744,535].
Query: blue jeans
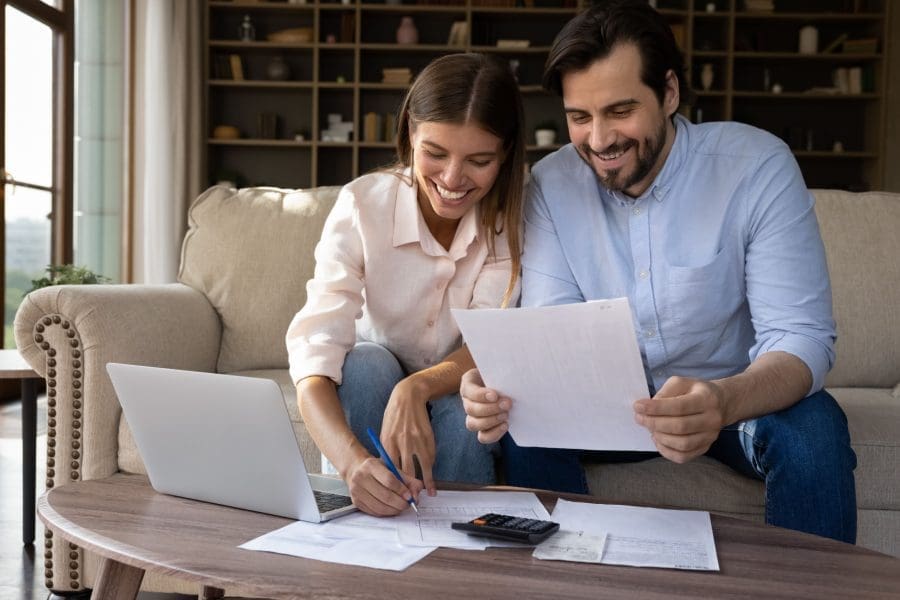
[802,453]
[369,375]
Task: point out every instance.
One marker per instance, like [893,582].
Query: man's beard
[646,160]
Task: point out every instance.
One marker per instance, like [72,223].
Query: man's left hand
[684,417]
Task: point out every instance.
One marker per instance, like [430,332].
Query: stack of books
[400,75]
[760,5]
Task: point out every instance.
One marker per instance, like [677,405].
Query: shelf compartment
[248,165]
[292,107]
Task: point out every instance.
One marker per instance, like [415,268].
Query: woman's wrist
[416,388]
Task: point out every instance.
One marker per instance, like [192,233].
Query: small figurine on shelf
[246,32]
[514,67]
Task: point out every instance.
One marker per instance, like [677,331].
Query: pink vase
[407,32]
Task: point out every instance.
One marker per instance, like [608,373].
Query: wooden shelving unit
[338,71]
[837,137]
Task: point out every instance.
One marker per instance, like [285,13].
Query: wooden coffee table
[13,366]
[135,529]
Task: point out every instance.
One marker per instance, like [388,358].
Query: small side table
[13,366]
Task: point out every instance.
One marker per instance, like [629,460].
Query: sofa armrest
[68,334]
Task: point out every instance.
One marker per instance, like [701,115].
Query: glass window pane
[29,99]
[27,247]
[99,149]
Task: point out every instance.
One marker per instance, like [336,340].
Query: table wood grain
[124,520]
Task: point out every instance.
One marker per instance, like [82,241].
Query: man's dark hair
[593,34]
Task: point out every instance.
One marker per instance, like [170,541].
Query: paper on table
[644,537]
[572,371]
[572,546]
[365,544]
[394,543]
[431,527]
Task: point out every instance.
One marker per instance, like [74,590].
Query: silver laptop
[223,439]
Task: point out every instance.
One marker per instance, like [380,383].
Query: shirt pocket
[704,297]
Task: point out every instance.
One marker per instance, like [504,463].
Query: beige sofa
[244,266]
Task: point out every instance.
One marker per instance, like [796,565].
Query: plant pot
[544,137]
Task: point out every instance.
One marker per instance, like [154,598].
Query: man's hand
[487,412]
[376,491]
[407,434]
[684,418]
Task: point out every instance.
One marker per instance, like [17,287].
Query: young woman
[375,345]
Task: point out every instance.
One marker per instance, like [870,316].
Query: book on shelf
[834,45]
[237,67]
[390,127]
[506,43]
[862,46]
[678,32]
[348,28]
[221,67]
[459,33]
[759,5]
[373,127]
[396,75]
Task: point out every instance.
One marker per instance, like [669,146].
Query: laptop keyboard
[326,501]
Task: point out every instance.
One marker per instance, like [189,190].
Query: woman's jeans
[802,453]
[369,376]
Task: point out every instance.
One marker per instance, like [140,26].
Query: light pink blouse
[381,276]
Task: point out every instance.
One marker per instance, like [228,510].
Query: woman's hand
[376,491]
[406,431]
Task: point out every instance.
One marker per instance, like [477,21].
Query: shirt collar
[410,226]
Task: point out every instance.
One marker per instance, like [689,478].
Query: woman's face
[455,167]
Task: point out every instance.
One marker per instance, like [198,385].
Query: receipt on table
[573,546]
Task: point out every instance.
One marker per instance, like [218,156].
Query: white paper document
[431,526]
[395,543]
[364,543]
[573,372]
[644,537]
[572,546]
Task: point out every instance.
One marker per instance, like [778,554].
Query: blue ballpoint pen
[389,463]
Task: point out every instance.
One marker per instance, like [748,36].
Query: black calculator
[506,527]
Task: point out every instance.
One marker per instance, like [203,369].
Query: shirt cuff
[324,360]
[817,358]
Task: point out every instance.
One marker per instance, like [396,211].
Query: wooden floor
[19,579]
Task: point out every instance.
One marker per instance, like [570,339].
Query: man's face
[616,122]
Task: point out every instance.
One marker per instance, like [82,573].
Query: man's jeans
[369,375]
[802,453]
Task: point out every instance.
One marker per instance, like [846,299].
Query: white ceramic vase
[544,137]
[407,32]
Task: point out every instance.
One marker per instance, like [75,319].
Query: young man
[710,232]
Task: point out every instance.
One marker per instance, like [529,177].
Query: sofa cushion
[862,242]
[250,252]
[873,415]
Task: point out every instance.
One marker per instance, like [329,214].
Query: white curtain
[167,132]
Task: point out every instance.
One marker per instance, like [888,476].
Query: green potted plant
[67,275]
[545,133]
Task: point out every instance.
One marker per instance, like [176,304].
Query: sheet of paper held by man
[644,537]
[572,371]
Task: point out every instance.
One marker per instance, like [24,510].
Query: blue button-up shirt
[721,257]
